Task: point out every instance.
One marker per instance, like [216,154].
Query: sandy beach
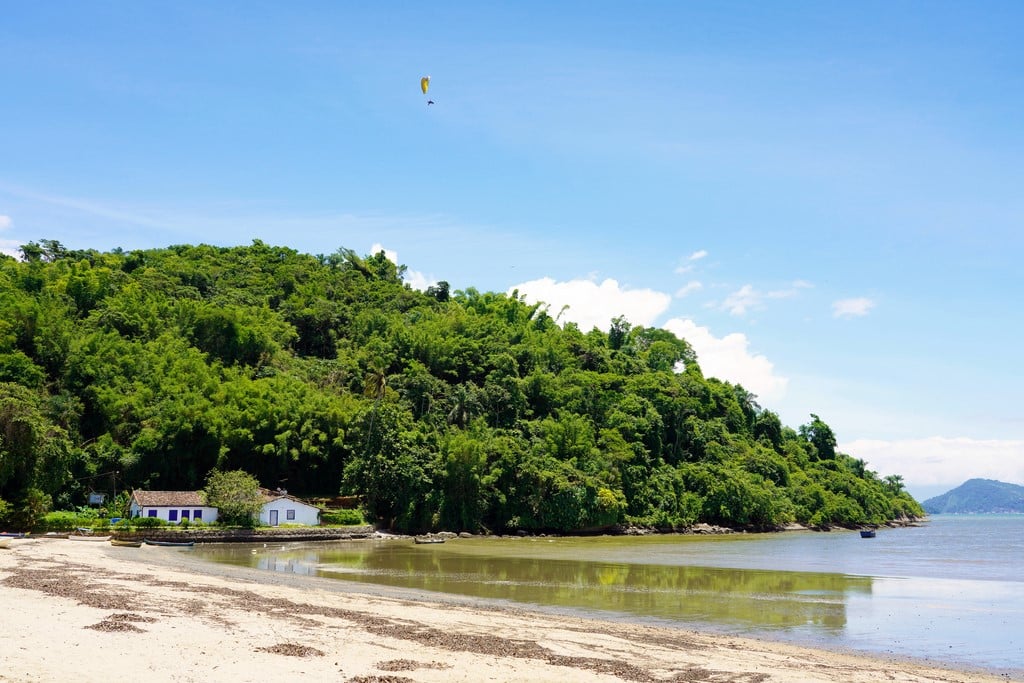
[87,611]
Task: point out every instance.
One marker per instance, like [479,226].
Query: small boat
[89,538]
[125,543]
[11,534]
[53,535]
[172,544]
[867,533]
[5,543]
[428,539]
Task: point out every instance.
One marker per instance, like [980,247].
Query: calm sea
[949,591]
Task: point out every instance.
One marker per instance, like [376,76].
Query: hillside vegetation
[978,496]
[327,374]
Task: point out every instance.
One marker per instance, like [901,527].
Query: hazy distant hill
[978,496]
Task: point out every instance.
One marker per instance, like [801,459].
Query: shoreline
[286,534]
[91,611]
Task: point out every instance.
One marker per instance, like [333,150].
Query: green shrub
[342,518]
[148,522]
[5,510]
[67,520]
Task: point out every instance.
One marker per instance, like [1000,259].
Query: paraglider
[424,86]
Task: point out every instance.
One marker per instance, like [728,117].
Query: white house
[172,506]
[280,508]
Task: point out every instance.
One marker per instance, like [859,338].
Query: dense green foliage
[327,374]
[342,518]
[977,496]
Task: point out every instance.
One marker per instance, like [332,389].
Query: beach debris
[121,622]
[409,665]
[291,650]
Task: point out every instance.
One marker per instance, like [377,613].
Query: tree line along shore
[442,410]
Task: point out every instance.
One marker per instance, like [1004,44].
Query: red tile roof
[168,498]
[270,496]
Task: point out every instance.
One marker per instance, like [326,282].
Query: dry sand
[86,611]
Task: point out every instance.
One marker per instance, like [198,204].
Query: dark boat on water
[171,544]
[867,533]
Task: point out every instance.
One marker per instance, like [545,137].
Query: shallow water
[949,591]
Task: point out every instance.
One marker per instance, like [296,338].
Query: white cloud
[594,305]
[414,278]
[938,460]
[739,301]
[689,287]
[391,254]
[9,247]
[418,280]
[747,298]
[695,256]
[729,358]
[850,308]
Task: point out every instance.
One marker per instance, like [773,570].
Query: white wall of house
[175,514]
[288,511]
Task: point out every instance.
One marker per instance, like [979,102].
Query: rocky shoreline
[306,534]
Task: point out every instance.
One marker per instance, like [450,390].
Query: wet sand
[87,611]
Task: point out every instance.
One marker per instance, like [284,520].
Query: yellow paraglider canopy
[425,84]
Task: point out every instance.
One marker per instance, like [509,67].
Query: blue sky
[824,198]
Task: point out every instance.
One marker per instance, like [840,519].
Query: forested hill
[976,496]
[327,374]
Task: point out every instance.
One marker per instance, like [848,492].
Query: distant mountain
[978,496]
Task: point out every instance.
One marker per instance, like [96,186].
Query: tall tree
[236,495]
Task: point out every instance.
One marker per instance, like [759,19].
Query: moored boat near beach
[867,533]
[88,538]
[125,543]
[172,544]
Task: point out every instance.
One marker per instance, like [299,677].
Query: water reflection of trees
[756,598]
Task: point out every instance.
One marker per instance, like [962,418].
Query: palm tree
[748,403]
[375,387]
[894,482]
[376,384]
[464,403]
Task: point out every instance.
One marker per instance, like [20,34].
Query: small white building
[280,508]
[173,507]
